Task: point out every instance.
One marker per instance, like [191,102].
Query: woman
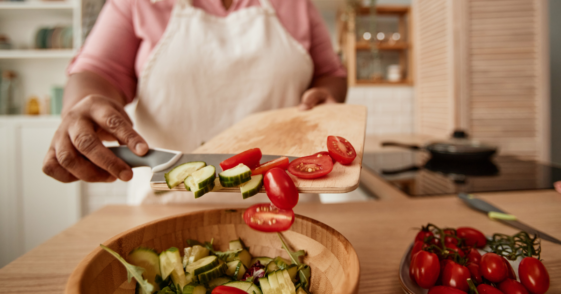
[195,68]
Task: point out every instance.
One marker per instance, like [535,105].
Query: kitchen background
[409,67]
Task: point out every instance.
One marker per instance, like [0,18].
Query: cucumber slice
[194,289]
[252,187]
[263,260]
[202,265]
[272,267]
[190,185]
[197,252]
[189,278]
[232,266]
[245,258]
[283,285]
[288,281]
[235,176]
[281,262]
[235,245]
[149,260]
[166,266]
[212,274]
[177,275]
[265,286]
[204,176]
[218,281]
[248,287]
[292,271]
[274,282]
[228,255]
[179,173]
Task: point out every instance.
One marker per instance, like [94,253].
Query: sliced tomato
[280,188]
[340,149]
[325,153]
[281,162]
[311,167]
[227,290]
[266,217]
[249,157]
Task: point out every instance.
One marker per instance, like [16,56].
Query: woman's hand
[324,90]
[558,186]
[77,153]
[315,96]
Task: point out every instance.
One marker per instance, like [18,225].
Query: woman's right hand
[77,152]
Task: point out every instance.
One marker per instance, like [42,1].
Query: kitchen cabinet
[482,66]
[33,206]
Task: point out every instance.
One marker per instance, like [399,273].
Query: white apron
[208,73]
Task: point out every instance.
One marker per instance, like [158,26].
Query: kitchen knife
[485,207]
[162,160]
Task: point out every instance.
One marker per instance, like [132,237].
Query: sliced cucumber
[281,262]
[265,286]
[214,273]
[274,282]
[186,254]
[229,255]
[204,176]
[166,266]
[197,253]
[245,258]
[189,278]
[288,281]
[235,245]
[272,267]
[218,281]
[190,185]
[233,266]
[194,289]
[235,176]
[177,275]
[252,187]
[263,260]
[178,174]
[292,271]
[283,283]
[149,260]
[248,287]
[202,265]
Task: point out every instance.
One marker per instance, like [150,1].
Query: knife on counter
[486,207]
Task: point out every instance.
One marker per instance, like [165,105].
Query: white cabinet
[33,206]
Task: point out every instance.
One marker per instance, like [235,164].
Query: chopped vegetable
[341,150]
[132,272]
[249,158]
[311,167]
[281,162]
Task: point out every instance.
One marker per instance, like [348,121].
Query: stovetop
[418,176]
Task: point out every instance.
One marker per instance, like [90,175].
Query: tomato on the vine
[472,237]
[311,167]
[487,289]
[456,275]
[227,290]
[280,188]
[452,247]
[475,273]
[265,217]
[445,290]
[423,234]
[281,162]
[533,275]
[450,237]
[340,149]
[510,271]
[493,268]
[510,286]
[474,256]
[425,269]
[249,157]
[417,246]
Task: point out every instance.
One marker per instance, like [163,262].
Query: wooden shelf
[37,5]
[385,10]
[36,53]
[382,46]
[383,83]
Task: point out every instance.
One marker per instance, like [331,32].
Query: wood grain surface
[291,132]
[380,232]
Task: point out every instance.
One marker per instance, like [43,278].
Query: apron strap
[266,4]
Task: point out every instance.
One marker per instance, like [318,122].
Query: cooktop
[417,175]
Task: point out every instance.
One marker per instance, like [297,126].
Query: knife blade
[486,207]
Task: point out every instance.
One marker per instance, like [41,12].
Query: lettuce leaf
[132,271]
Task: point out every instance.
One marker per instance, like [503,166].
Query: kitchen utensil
[286,132]
[485,207]
[334,263]
[459,147]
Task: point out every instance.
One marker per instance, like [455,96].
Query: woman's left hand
[315,96]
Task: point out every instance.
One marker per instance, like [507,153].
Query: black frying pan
[459,147]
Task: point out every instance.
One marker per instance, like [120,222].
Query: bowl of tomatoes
[463,260]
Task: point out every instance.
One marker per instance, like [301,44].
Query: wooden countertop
[380,231]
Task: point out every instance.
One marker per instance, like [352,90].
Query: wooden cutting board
[291,132]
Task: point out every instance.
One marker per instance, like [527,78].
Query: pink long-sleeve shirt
[128,30]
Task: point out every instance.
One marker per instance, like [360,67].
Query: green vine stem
[511,247]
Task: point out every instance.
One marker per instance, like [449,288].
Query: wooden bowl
[333,260]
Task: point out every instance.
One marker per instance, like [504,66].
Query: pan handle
[402,145]
[401,170]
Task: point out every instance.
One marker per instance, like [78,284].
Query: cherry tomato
[227,290]
[443,263]
[325,153]
[445,290]
[510,271]
[280,188]
[510,286]
[422,234]
[340,149]
[449,237]
[533,275]
[425,269]
[249,157]
[311,167]
[493,268]
[472,237]
[265,217]
[281,162]
[452,247]
[417,246]
[456,275]
[474,256]
[487,289]
[475,274]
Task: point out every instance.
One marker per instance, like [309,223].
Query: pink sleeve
[111,47]
[326,62]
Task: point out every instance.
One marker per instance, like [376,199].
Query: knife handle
[157,159]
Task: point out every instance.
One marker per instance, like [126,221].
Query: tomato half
[473,237]
[533,275]
[227,290]
[425,268]
[311,167]
[493,268]
[487,289]
[280,188]
[340,149]
[510,286]
[325,153]
[456,275]
[445,290]
[265,217]
[474,256]
[249,157]
[281,162]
